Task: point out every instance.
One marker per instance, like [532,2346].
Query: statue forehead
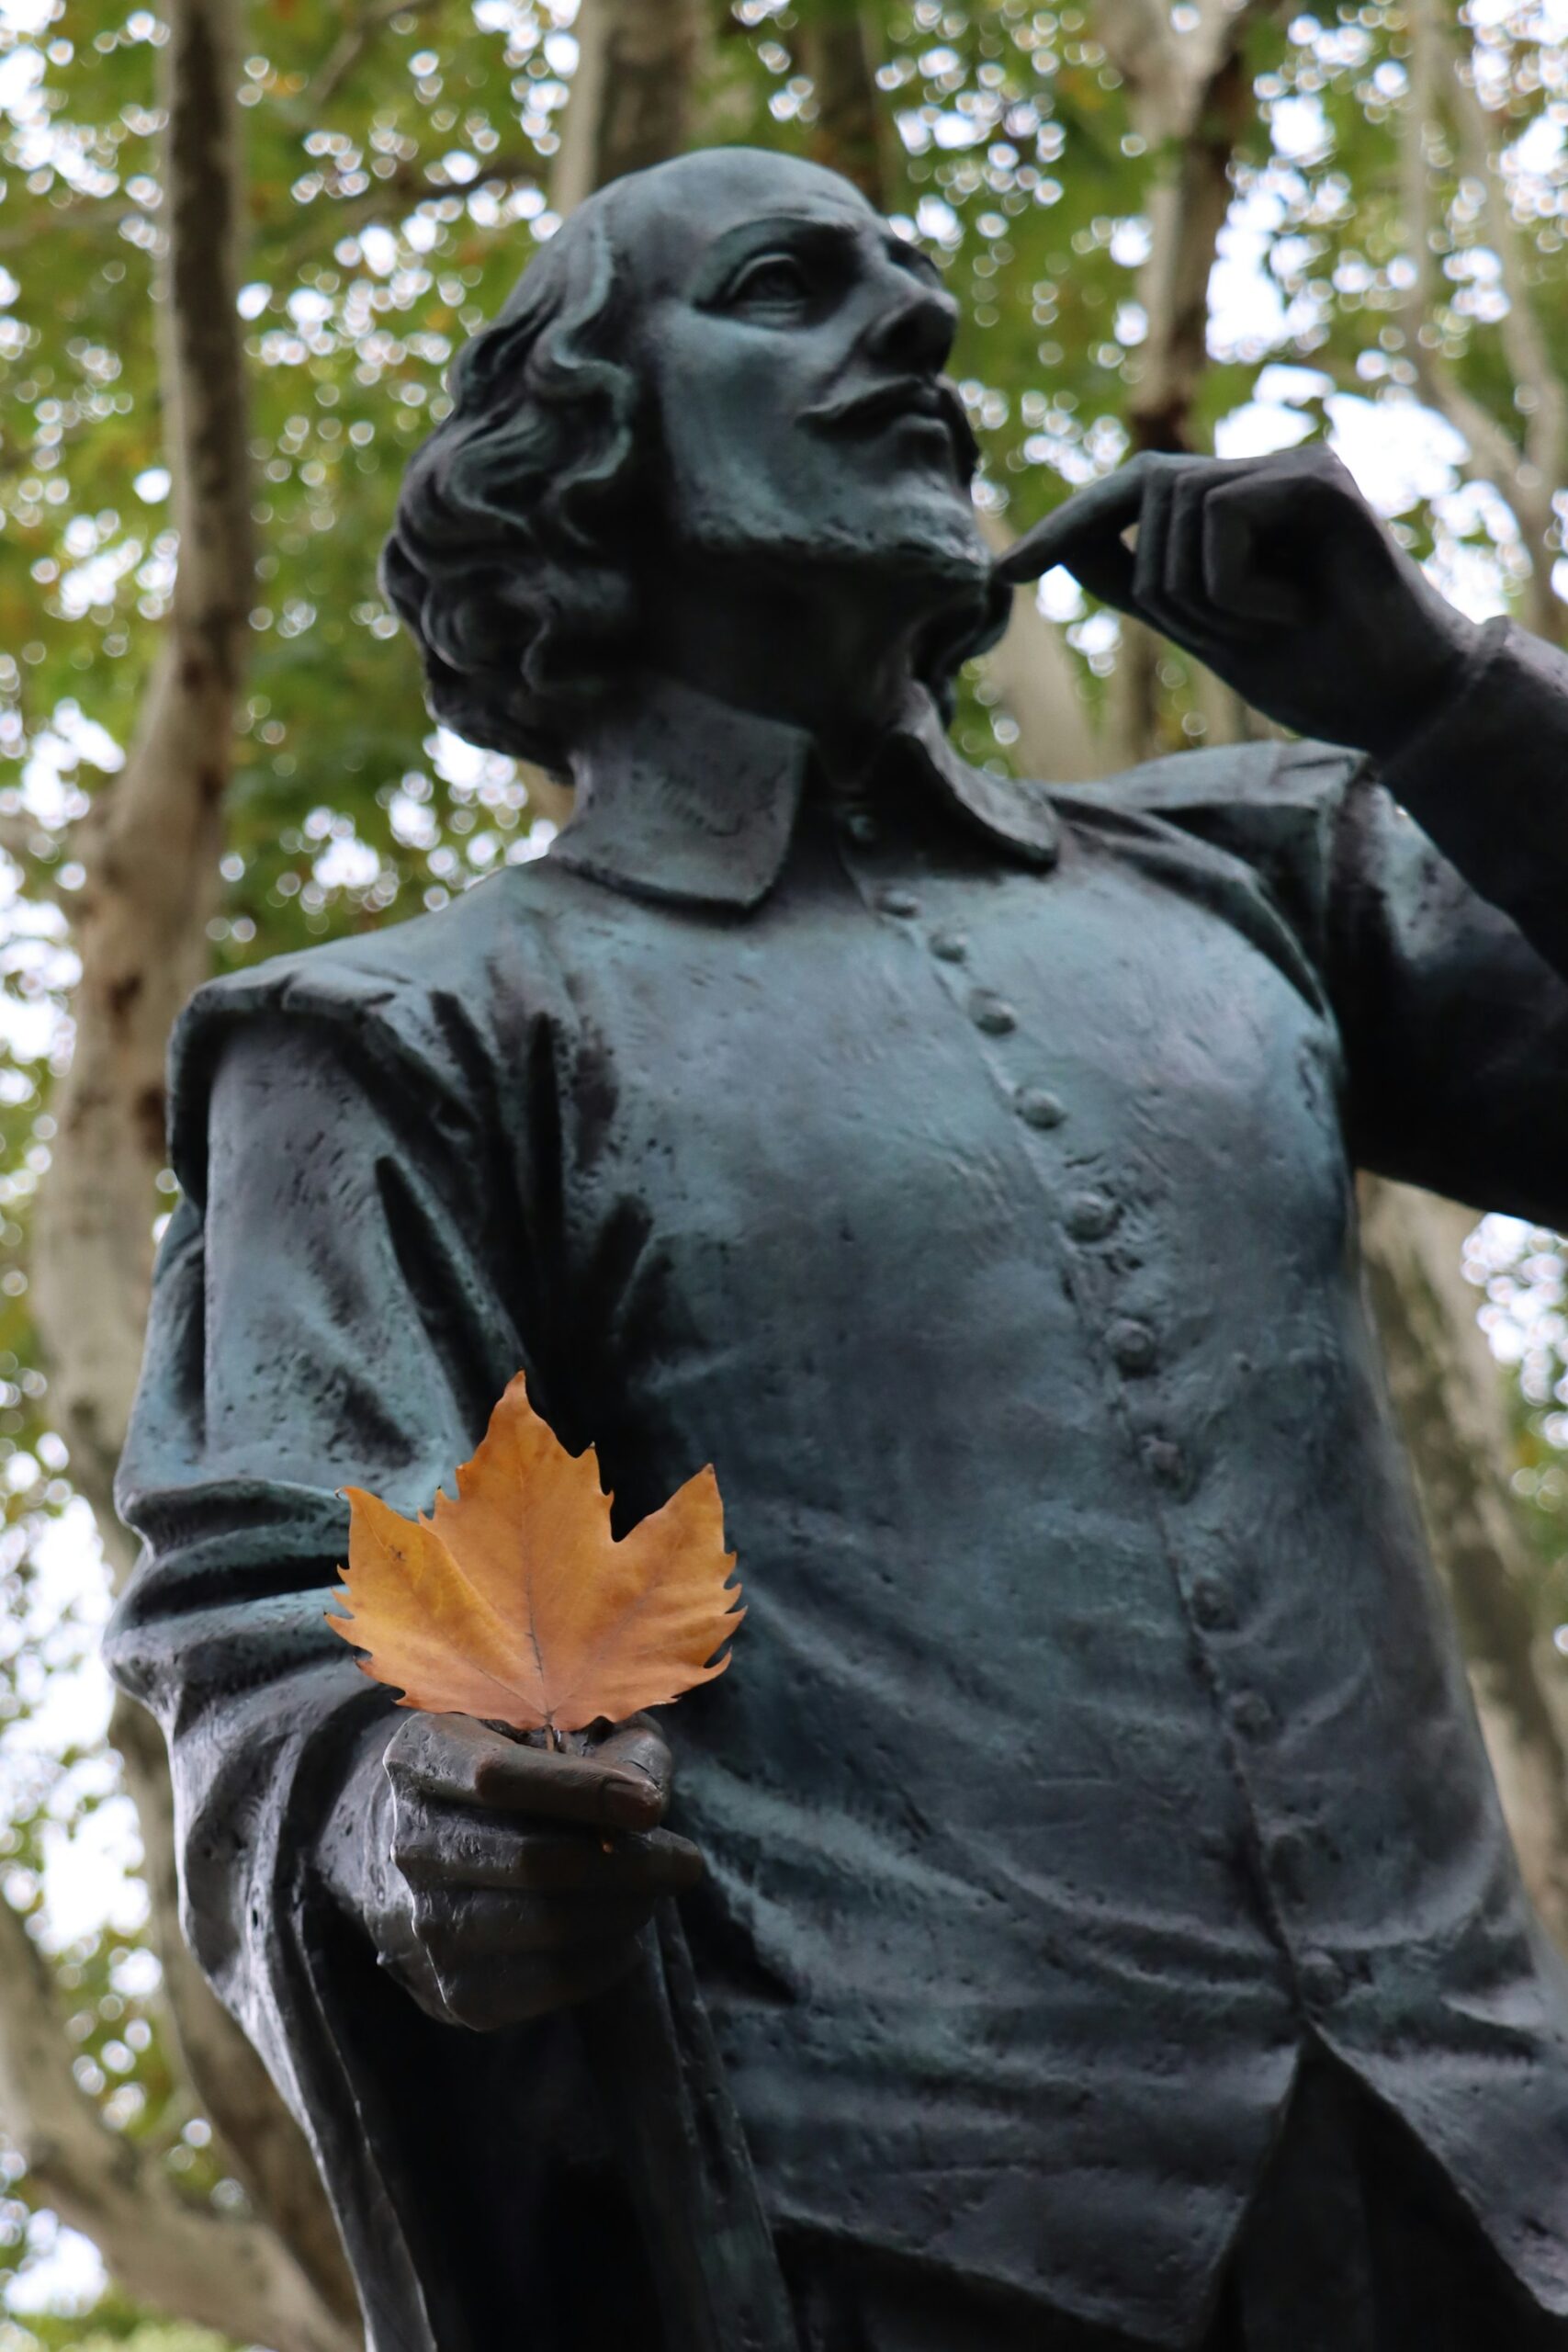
[663,219]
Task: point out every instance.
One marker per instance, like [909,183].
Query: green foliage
[112,2325]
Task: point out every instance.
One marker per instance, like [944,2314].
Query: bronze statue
[1098,1902]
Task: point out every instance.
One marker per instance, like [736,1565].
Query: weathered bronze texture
[966,1169]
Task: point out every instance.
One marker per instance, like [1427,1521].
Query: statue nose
[916,331]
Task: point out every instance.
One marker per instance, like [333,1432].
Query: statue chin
[921,542]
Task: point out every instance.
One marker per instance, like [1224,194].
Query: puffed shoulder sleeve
[1486,778]
[352,1275]
[337,1299]
[1446,939]
[1429,898]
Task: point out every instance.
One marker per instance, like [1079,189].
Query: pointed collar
[684,798]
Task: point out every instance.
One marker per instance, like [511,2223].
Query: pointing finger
[1085,533]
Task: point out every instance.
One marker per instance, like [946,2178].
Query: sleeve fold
[339,1299]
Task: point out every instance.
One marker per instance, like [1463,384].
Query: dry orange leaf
[516,1604]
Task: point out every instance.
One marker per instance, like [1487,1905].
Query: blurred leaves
[112,2325]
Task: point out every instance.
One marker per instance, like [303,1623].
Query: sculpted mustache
[899,396]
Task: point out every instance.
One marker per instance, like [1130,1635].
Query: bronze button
[992,1013]
[1038,1107]
[1166,1461]
[1252,1715]
[1131,1347]
[1211,1604]
[1321,1978]
[1088,1217]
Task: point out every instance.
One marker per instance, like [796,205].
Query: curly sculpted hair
[508,557]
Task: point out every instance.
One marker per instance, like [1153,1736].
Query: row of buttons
[1035,1105]
[1322,1979]
[1088,1217]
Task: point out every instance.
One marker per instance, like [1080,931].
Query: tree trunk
[160,2246]
[1449,1395]
[1037,679]
[1523,460]
[152,841]
[633,92]
[149,847]
[838,47]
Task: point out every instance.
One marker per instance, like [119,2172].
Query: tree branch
[160,2245]
[837,47]
[1449,1395]
[1539,470]
[1493,456]
[99,215]
[1526,473]
[633,95]
[340,60]
[1139,39]
[149,847]
[1192,100]
[328,217]
[24,841]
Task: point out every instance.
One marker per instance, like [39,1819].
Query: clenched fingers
[497,1994]
[622,1783]
[434,1847]
[459,1927]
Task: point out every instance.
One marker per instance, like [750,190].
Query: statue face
[795,347]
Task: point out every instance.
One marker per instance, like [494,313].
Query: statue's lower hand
[1276,573]
[523,1873]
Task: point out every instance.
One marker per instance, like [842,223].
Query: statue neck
[824,656]
[682,796]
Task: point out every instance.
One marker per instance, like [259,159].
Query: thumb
[637,1751]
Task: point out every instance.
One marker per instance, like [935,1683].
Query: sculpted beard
[911,526]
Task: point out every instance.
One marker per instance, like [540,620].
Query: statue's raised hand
[1277,573]
[520,1876]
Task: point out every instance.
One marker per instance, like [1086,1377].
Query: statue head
[729,362]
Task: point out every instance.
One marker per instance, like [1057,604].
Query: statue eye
[777,281]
